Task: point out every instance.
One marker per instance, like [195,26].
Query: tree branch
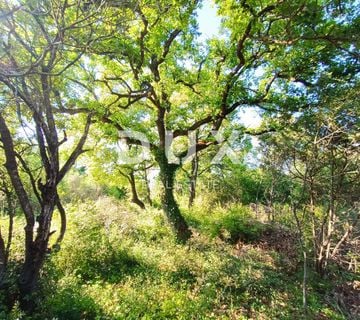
[76,152]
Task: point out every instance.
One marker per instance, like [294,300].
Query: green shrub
[70,303]
[119,193]
[232,224]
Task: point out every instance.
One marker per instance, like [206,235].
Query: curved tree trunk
[63,224]
[135,198]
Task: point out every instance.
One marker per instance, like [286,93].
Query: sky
[208,20]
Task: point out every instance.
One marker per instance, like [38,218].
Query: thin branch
[76,152]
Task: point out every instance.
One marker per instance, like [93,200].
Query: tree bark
[9,298]
[193,179]
[332,214]
[328,224]
[303,248]
[135,198]
[3,261]
[148,193]
[35,254]
[63,223]
[169,204]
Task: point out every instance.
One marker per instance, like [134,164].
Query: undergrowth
[117,262]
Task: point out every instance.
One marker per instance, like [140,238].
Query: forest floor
[120,262]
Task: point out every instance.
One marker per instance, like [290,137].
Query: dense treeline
[103,103]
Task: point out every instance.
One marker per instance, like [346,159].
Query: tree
[41,42]
[320,151]
[161,81]
[8,207]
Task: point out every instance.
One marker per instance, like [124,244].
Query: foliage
[320,153]
[233,223]
[154,277]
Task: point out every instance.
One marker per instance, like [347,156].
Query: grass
[117,262]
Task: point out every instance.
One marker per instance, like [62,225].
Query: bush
[232,224]
[70,303]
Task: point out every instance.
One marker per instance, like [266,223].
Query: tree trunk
[332,214]
[135,198]
[5,249]
[303,248]
[9,298]
[148,193]
[193,179]
[170,206]
[35,254]
[29,278]
[3,261]
[328,224]
[63,224]
[313,220]
[6,297]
